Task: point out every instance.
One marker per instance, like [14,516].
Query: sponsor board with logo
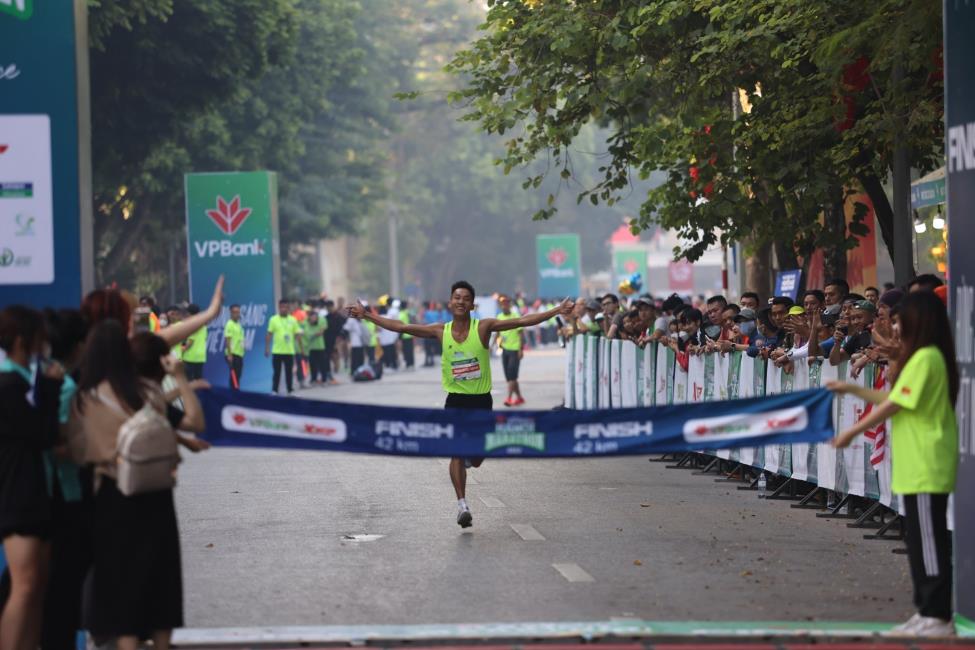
[232,230]
[251,419]
[559,268]
[46,256]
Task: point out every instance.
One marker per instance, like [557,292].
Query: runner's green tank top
[466,366]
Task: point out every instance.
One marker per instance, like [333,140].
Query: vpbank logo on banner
[18,8]
[514,433]
[557,256]
[274,423]
[746,425]
[228,218]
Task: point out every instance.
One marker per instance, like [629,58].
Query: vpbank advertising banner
[232,230]
[43,147]
[559,265]
[241,419]
[626,262]
[960,149]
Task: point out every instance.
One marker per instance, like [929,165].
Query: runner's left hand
[566,307]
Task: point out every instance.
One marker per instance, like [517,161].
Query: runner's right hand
[356,311]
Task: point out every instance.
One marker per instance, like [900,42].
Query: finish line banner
[241,419]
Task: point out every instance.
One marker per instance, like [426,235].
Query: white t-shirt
[663,324]
[386,337]
[357,332]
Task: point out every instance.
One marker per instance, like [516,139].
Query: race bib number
[465,369]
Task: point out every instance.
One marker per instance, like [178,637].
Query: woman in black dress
[137,588]
[28,425]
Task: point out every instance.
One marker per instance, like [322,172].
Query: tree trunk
[758,271]
[130,238]
[834,258]
[881,208]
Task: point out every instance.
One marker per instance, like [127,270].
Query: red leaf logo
[229,217]
[630,266]
[557,256]
[4,147]
[240,418]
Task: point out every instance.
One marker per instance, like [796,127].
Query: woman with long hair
[137,576]
[924,447]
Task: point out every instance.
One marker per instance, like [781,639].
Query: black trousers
[429,351]
[357,357]
[300,363]
[281,362]
[329,353]
[318,365]
[408,359]
[236,370]
[389,356]
[929,553]
[193,370]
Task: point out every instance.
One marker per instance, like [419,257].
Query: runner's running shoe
[464,517]
[518,402]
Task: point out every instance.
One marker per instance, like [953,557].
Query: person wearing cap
[858,336]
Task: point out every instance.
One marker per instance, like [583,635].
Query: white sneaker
[904,629]
[464,517]
[929,626]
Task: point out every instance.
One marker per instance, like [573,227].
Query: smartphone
[142,322]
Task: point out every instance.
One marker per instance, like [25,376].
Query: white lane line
[492,502]
[573,572]
[527,532]
[471,480]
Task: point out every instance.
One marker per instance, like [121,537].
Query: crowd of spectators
[833,324]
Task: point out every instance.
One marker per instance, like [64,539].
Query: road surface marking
[573,572]
[492,502]
[527,532]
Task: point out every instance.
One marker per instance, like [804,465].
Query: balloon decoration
[631,285]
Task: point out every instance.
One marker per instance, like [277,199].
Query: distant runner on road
[512,344]
[466,363]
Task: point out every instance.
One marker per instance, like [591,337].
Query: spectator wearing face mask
[766,336]
[749,300]
[715,320]
[743,330]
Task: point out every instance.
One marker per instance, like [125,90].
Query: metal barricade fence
[603,374]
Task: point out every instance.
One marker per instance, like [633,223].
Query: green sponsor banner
[232,230]
[45,207]
[626,262]
[513,433]
[559,265]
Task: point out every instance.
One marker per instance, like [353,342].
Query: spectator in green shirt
[313,340]
[195,349]
[233,341]
[282,331]
[924,451]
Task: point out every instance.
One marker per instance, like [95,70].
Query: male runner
[512,346]
[233,340]
[466,362]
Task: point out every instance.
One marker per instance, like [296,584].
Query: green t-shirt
[234,332]
[924,436]
[510,339]
[373,339]
[311,336]
[404,317]
[283,329]
[196,350]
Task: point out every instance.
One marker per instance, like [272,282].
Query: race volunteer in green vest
[512,346]
[195,349]
[924,451]
[282,330]
[406,340]
[313,340]
[466,363]
[233,342]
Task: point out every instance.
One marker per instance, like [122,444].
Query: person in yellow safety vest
[512,344]
[195,349]
[148,302]
[465,364]
[372,343]
[233,341]
[406,340]
[174,315]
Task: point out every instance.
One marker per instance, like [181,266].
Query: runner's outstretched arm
[434,331]
[495,325]
[177,332]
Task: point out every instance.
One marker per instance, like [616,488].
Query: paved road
[265,538]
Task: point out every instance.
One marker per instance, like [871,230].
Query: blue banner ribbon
[242,419]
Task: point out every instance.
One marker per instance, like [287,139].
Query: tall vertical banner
[232,230]
[559,265]
[45,158]
[959,55]
[626,262]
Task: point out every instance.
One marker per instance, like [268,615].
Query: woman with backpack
[28,426]
[136,590]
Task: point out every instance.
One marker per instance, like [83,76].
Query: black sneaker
[464,517]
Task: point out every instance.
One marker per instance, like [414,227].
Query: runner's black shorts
[481,402]
[511,363]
